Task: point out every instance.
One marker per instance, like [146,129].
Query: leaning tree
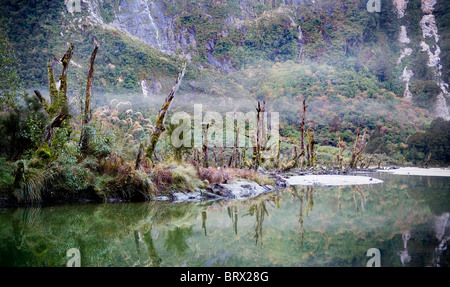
[58,108]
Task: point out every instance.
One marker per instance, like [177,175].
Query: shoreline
[418,171]
[244,189]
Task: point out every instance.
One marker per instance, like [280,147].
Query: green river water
[298,226]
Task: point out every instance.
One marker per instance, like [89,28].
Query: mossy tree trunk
[259,133]
[139,157]
[311,154]
[159,125]
[205,147]
[85,134]
[358,148]
[58,109]
[302,133]
[340,155]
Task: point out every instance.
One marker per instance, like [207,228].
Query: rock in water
[238,189]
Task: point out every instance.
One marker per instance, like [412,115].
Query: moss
[43,154]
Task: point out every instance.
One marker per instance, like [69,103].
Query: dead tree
[371,156]
[311,154]
[358,148]
[236,155]
[259,134]
[205,147]
[159,124]
[85,134]
[340,155]
[302,130]
[425,165]
[58,109]
[139,156]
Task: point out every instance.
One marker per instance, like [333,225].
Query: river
[406,218]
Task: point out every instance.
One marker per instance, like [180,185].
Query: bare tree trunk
[159,125]
[358,148]
[205,148]
[340,156]
[428,159]
[58,109]
[56,122]
[85,134]
[139,156]
[236,149]
[259,116]
[221,156]
[263,132]
[302,129]
[371,156]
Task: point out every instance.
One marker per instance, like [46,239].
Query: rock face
[155,23]
[429,30]
[400,5]
[430,46]
[238,189]
[147,21]
[406,77]
[150,89]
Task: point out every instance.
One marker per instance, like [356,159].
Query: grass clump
[185,178]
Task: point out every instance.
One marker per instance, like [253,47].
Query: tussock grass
[32,186]
[251,175]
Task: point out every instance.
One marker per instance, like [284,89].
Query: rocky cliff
[404,46]
[214,33]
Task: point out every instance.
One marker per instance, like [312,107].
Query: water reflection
[404,255]
[259,211]
[406,218]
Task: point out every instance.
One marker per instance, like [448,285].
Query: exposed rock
[433,58]
[153,88]
[428,6]
[400,6]
[300,43]
[429,28]
[405,52]
[146,21]
[238,189]
[94,11]
[406,77]
[403,37]
[441,107]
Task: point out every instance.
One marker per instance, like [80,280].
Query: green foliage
[32,186]
[6,176]
[10,92]
[21,128]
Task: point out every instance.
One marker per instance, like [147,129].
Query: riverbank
[418,171]
[241,186]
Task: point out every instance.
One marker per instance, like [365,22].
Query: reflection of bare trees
[307,196]
[259,211]
[356,189]
[204,221]
[146,238]
[25,221]
[233,214]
